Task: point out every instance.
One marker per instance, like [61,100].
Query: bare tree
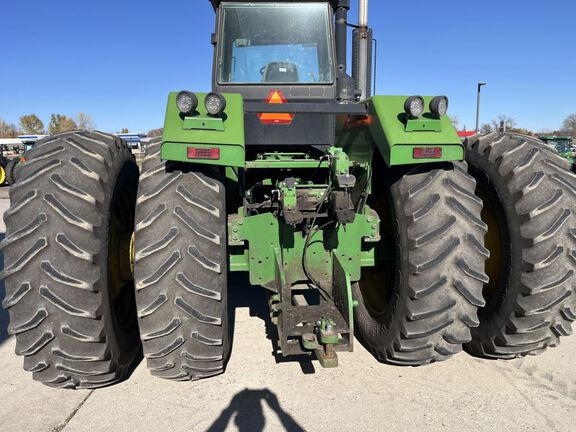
[508,122]
[14,130]
[486,128]
[7,130]
[569,125]
[522,131]
[84,122]
[31,124]
[155,133]
[61,123]
[455,121]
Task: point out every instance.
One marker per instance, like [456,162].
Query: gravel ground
[262,393]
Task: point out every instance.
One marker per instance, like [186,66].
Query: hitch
[305,234]
[322,342]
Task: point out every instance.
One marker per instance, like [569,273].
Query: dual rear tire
[76,311]
[431,297]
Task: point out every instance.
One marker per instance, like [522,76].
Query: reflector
[203,153]
[276,97]
[427,153]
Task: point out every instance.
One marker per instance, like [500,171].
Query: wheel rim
[120,270]
[376,287]
[132,254]
[377,283]
[497,240]
[2,175]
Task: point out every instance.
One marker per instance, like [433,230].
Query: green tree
[32,125]
[569,125]
[60,123]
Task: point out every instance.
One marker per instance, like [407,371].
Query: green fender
[201,130]
[389,130]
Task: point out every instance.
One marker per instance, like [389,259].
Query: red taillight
[203,153]
[427,152]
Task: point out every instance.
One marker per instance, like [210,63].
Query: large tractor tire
[10,171]
[418,305]
[529,199]
[69,287]
[181,268]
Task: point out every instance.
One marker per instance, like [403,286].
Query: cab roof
[334,3]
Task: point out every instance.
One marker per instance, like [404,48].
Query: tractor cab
[260,45]
[282,53]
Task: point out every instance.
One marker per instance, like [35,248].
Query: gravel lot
[262,393]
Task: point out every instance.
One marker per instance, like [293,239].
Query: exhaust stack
[362,52]
[346,84]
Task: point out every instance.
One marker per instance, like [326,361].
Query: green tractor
[8,165]
[363,218]
[563,145]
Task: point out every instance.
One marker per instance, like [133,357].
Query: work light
[187,102]
[414,106]
[439,106]
[215,103]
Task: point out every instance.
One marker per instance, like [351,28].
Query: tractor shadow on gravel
[246,408]
[242,295]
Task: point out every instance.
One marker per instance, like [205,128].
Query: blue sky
[117,60]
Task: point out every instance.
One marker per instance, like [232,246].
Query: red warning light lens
[276,97]
[203,153]
[427,152]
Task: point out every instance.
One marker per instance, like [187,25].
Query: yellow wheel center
[132,254]
[121,260]
[2,175]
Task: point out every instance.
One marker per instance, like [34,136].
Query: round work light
[215,103]
[439,106]
[187,102]
[414,106]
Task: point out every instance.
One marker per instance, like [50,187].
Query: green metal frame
[255,241]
